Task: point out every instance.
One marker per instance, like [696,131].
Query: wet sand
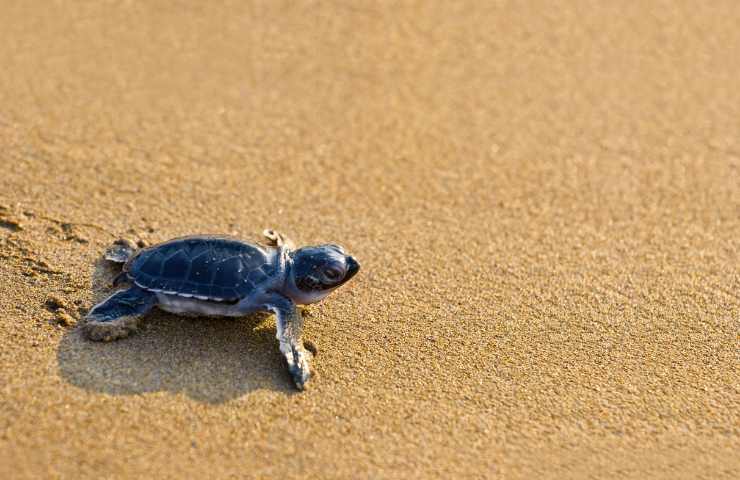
[545,201]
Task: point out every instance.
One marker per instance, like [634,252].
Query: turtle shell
[212,268]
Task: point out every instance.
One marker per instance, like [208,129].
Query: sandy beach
[544,197]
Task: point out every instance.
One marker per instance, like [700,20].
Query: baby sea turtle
[223,276]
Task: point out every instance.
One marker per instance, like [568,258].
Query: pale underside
[195,307]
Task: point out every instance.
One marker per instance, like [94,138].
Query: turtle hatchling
[223,276]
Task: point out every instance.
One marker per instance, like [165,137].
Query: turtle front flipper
[277,239]
[289,329]
[118,315]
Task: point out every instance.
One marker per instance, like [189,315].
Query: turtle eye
[332,274]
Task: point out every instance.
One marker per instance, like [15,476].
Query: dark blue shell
[217,268]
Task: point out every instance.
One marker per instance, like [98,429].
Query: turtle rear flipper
[118,315]
[120,251]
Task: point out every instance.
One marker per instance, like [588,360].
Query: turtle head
[316,271]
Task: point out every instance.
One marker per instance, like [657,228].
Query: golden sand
[545,200]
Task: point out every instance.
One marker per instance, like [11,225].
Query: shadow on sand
[211,360]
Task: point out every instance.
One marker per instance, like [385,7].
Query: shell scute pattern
[176,266]
[199,267]
[205,268]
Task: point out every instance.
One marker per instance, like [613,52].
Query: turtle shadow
[210,360]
